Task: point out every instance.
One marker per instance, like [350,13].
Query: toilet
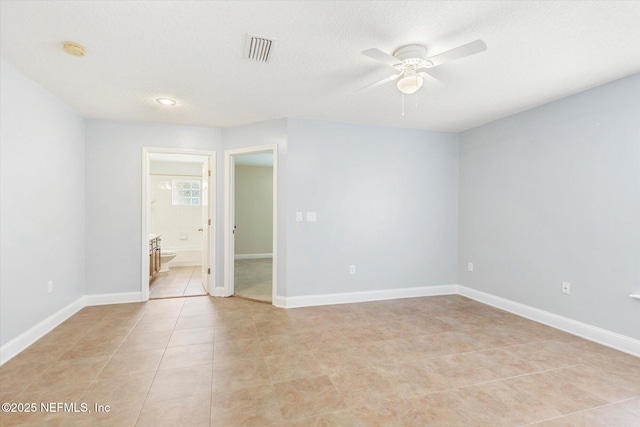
[166,255]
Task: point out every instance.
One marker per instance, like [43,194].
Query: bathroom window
[185,192]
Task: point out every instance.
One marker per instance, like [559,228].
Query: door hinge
[208,271]
[209,172]
[209,221]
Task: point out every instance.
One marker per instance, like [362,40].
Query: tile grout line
[626,410]
[146,397]
[127,336]
[494,381]
[568,414]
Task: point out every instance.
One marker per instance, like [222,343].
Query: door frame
[229,214]
[146,213]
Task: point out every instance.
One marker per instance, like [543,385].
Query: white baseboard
[574,327]
[118,298]
[218,292]
[252,256]
[351,297]
[280,302]
[592,333]
[24,340]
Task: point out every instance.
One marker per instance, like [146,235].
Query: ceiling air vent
[258,48]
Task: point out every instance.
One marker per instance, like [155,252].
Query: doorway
[177,209]
[251,218]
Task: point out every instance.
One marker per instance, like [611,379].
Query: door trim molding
[229,256]
[145,213]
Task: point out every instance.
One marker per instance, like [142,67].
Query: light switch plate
[311,216]
[298,216]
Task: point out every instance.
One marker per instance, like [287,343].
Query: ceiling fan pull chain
[403,104]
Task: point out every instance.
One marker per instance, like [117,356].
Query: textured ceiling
[192,51]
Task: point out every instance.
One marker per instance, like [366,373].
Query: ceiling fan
[412,63]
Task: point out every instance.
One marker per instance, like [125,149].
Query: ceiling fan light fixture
[410,84]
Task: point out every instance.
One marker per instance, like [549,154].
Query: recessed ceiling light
[166,101]
[74,49]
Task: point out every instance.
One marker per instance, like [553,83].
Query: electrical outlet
[352,269]
[470,266]
[50,286]
[566,287]
[311,216]
[298,216]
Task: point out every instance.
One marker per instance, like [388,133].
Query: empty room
[320,213]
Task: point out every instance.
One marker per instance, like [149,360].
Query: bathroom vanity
[154,255]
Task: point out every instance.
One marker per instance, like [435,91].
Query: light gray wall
[386,201]
[114,195]
[42,204]
[254,209]
[272,132]
[553,195]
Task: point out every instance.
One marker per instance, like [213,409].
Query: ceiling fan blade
[457,53]
[380,82]
[380,56]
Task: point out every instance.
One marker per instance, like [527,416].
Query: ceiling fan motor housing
[411,54]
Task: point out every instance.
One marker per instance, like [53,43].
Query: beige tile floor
[178,282]
[202,361]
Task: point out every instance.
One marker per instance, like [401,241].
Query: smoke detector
[74,49]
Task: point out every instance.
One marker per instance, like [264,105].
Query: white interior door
[206,224]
